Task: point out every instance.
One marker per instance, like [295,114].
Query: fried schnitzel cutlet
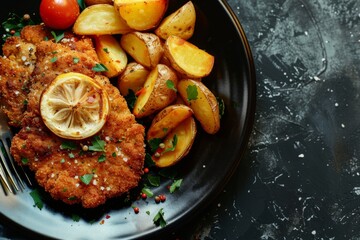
[68,169]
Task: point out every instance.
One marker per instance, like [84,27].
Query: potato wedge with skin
[167,119]
[110,54]
[156,93]
[145,48]
[187,58]
[185,133]
[100,19]
[180,23]
[133,78]
[203,102]
[141,15]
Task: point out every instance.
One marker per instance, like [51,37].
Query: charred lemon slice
[74,106]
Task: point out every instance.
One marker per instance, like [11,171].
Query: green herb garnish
[170,84]
[192,93]
[35,194]
[68,145]
[58,35]
[99,67]
[86,178]
[159,219]
[102,158]
[175,185]
[98,145]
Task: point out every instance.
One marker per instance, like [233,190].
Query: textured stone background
[301,176]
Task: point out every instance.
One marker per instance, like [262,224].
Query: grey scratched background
[300,178]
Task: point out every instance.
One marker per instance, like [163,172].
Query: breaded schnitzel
[72,171]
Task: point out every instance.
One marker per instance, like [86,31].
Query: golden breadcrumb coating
[78,175]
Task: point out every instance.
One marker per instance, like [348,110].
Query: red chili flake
[146,170]
[143,196]
[136,210]
[12,32]
[107,216]
[157,199]
[102,222]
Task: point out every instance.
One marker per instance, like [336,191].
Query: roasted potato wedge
[133,78]
[100,19]
[203,102]
[180,23]
[157,92]
[187,58]
[141,15]
[110,54]
[167,119]
[145,48]
[177,144]
[93,2]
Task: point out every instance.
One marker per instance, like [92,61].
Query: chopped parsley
[170,84]
[175,185]
[192,93]
[24,160]
[154,144]
[174,143]
[131,99]
[76,60]
[153,180]
[68,145]
[14,24]
[58,35]
[159,219]
[102,158]
[54,59]
[86,178]
[147,191]
[35,194]
[98,145]
[82,4]
[99,67]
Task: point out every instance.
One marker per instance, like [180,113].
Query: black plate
[206,169]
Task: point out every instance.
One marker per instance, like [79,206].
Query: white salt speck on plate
[301,155]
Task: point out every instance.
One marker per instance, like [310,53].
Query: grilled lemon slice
[74,106]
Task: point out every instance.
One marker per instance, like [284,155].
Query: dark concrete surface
[300,178]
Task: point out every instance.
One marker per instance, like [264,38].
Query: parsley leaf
[131,99]
[68,145]
[99,67]
[82,4]
[159,218]
[76,60]
[14,23]
[86,178]
[35,194]
[154,144]
[102,158]
[174,143]
[170,84]
[175,185]
[98,145]
[54,59]
[58,35]
[147,191]
[75,217]
[24,160]
[153,180]
[192,93]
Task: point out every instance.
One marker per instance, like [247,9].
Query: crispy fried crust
[59,170]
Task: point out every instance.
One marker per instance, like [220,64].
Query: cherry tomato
[59,14]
